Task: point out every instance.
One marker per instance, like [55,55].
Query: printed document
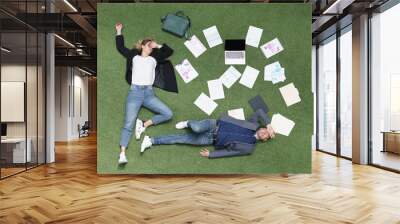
[216,89]
[186,71]
[281,124]
[212,36]
[278,76]
[249,76]
[290,94]
[269,69]
[195,46]
[272,48]
[253,36]
[206,104]
[230,76]
[237,113]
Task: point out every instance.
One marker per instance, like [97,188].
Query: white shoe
[122,159]
[139,128]
[146,143]
[181,125]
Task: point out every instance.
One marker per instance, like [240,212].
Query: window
[346,92]
[22,77]
[327,96]
[385,89]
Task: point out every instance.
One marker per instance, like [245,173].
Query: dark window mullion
[338,73]
[26,88]
[317,96]
[37,91]
[369,90]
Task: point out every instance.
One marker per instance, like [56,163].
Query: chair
[84,130]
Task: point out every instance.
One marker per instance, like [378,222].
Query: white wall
[62,81]
[81,84]
[17,73]
[34,126]
[69,82]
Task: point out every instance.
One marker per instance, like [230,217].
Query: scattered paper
[249,76]
[216,89]
[195,46]
[230,76]
[281,124]
[274,72]
[271,48]
[237,113]
[186,71]
[212,36]
[206,104]
[290,94]
[278,76]
[269,69]
[253,36]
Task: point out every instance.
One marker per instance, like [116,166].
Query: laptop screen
[235,45]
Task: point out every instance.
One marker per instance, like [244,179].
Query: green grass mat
[291,23]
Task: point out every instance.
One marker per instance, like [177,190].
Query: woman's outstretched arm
[119,40]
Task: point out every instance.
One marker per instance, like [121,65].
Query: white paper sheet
[272,48]
[216,89]
[290,94]
[282,125]
[237,113]
[206,104]
[230,76]
[278,76]
[249,76]
[212,36]
[253,36]
[186,71]
[195,46]
[269,69]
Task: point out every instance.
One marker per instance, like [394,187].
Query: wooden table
[16,153]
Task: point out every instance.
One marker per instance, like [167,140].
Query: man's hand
[205,153]
[118,28]
[271,131]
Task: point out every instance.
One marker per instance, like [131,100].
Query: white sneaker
[122,159]
[139,128]
[146,143]
[181,125]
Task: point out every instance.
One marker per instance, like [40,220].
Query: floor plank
[70,191]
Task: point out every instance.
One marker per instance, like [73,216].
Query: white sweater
[143,70]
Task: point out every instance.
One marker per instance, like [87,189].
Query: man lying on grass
[229,136]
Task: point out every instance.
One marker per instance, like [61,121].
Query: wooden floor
[70,191]
[387,159]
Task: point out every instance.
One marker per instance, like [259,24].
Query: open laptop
[235,52]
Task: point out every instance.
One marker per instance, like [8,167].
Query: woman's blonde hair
[140,43]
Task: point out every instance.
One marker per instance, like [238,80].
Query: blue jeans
[202,134]
[139,96]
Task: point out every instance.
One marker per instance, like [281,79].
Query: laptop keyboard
[235,54]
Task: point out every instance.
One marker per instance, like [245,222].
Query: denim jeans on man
[139,96]
[202,134]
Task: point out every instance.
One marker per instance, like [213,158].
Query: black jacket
[165,75]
